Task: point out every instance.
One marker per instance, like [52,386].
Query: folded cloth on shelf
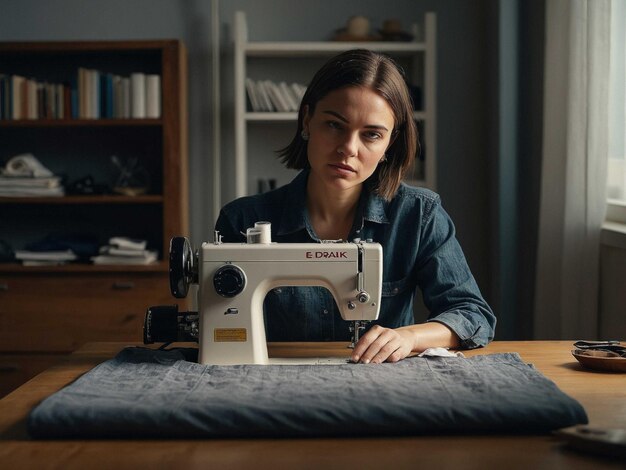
[83,245]
[148,393]
[25,165]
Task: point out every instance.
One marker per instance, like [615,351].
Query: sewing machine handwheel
[182,267]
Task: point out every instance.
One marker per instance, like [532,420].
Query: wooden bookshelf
[51,310]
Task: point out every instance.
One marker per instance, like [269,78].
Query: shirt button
[325,312]
[395,290]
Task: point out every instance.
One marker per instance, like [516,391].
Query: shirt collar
[374,207]
[294,216]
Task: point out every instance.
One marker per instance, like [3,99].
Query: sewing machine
[234,278]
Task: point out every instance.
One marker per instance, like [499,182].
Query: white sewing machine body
[234,279]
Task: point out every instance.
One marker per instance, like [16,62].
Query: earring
[383,159]
[304,134]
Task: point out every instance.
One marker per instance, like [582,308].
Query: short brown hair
[362,67]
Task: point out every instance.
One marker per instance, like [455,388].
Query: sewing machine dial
[229,280]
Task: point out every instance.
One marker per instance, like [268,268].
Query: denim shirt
[420,250]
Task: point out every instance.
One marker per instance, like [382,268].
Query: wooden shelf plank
[45,123]
[65,47]
[159,266]
[97,199]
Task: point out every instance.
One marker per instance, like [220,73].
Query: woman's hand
[381,344]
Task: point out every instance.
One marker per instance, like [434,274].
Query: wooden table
[602,394]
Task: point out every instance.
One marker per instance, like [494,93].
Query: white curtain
[573,186]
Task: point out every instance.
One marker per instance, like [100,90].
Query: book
[106,95]
[41,262]
[117,97]
[17,82]
[82,93]
[276,97]
[153,96]
[266,104]
[61,255]
[252,95]
[32,192]
[50,107]
[138,95]
[60,100]
[289,96]
[31,99]
[298,91]
[94,95]
[125,112]
[73,97]
[29,182]
[116,251]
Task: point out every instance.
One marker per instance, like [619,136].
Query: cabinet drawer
[16,369]
[61,312]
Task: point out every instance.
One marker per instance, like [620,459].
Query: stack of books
[124,250]
[23,175]
[15,186]
[265,95]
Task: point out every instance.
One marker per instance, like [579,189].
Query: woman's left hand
[381,344]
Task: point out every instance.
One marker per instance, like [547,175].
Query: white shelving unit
[422,71]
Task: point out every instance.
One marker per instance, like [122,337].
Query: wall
[464,49]
[612,293]
[34,20]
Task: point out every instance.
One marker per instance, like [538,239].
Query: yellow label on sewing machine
[229,334]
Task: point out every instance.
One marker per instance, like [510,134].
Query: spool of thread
[266,231]
[253,235]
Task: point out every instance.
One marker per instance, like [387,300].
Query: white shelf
[420,54]
[266,116]
[293,116]
[328,48]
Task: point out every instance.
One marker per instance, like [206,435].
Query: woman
[356,139]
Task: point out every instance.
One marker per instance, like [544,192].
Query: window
[616,177]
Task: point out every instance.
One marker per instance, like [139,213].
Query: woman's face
[349,132]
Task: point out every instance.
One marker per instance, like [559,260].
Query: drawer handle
[4,287]
[9,368]
[120,285]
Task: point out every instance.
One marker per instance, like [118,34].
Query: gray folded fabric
[146,393]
